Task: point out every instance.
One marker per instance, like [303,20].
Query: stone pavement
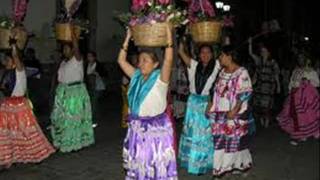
[274,158]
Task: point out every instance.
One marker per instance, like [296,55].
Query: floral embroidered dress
[231,135]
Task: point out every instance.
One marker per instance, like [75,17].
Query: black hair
[205,46]
[66,44]
[93,53]
[268,49]
[229,50]
[151,52]
[30,50]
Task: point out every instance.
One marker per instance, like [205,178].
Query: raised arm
[168,58]
[75,44]
[126,67]
[254,56]
[16,58]
[184,56]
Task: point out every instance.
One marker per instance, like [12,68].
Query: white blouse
[20,87]
[300,73]
[192,74]
[70,71]
[155,102]
[91,69]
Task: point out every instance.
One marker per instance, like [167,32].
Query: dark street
[274,158]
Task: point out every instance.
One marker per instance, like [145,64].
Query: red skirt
[21,138]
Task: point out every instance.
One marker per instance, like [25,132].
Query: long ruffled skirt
[196,143]
[71,118]
[148,151]
[300,116]
[21,138]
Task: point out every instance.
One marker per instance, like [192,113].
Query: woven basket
[20,34]
[64,31]
[150,35]
[206,32]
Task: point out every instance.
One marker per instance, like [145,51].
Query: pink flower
[164,2]
[19,9]
[208,8]
[228,21]
[200,6]
[138,5]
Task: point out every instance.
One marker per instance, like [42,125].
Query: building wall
[38,21]
[108,29]
[41,13]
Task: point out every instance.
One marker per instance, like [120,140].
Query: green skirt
[72,118]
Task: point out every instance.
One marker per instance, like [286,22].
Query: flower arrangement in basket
[65,24]
[12,28]
[205,24]
[148,19]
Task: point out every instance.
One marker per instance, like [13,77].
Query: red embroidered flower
[228,130]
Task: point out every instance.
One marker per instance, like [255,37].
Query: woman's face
[91,58]
[67,51]
[146,64]
[205,55]
[264,52]
[8,62]
[224,59]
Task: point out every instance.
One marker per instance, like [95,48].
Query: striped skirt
[300,116]
[21,138]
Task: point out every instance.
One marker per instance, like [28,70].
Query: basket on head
[150,35]
[206,32]
[19,33]
[64,31]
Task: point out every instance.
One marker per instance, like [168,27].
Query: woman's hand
[169,35]
[181,47]
[250,40]
[127,68]
[127,39]
[129,34]
[231,114]
[168,57]
[184,56]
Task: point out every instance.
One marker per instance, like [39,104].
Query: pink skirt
[300,116]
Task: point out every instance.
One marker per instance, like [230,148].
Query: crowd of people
[217,99]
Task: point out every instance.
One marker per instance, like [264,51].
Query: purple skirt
[148,151]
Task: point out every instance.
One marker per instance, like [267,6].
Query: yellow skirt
[124,120]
